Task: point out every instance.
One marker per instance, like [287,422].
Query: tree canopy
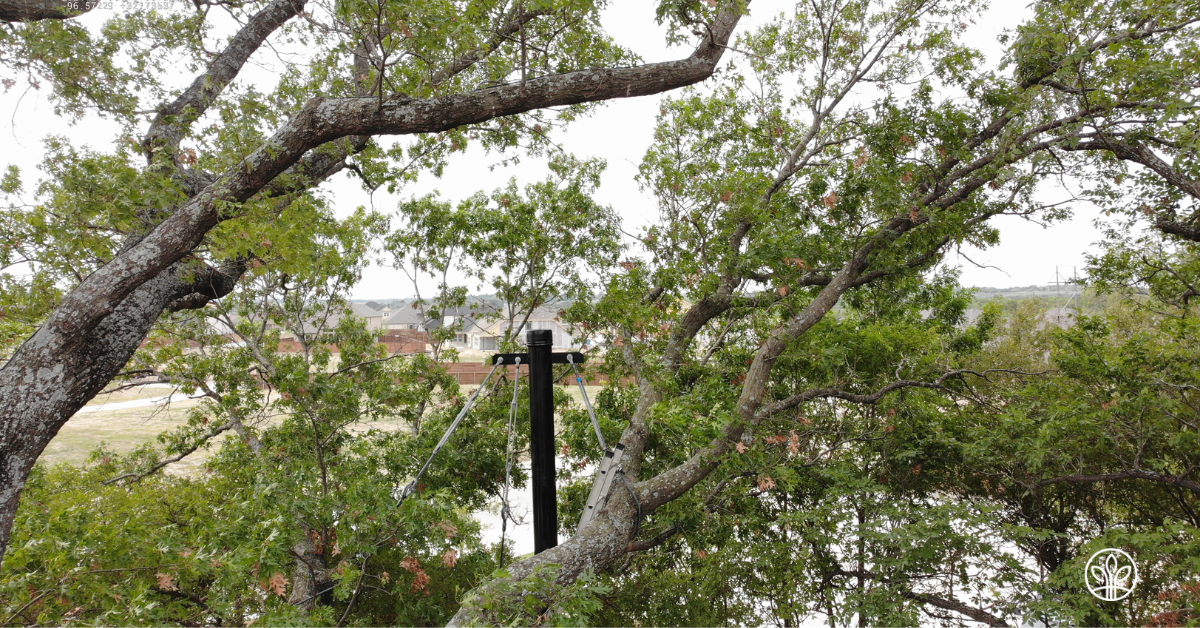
[814,429]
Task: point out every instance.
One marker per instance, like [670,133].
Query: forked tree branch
[949,604]
[173,118]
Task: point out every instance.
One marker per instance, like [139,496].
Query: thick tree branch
[173,118]
[949,604]
[209,283]
[674,482]
[1147,158]
[1128,474]
[36,10]
[326,119]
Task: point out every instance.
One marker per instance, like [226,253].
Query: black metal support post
[541,433]
[541,440]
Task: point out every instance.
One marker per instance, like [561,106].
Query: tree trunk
[310,577]
[56,373]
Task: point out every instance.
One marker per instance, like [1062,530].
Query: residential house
[373,316]
[408,317]
[484,332]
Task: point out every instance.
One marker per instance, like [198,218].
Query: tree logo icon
[1110,574]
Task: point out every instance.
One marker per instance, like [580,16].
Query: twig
[357,590]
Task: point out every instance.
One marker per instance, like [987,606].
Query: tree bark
[311,584]
[36,10]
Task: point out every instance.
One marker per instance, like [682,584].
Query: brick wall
[472,373]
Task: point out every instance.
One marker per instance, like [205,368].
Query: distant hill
[1081,299]
[1030,292]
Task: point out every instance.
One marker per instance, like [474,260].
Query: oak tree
[176,213]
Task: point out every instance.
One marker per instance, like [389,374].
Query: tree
[777,206]
[294,517]
[182,226]
[533,249]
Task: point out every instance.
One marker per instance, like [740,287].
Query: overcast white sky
[618,133]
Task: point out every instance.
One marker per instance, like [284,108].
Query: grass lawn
[122,429]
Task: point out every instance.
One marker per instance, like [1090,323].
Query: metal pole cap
[539,337]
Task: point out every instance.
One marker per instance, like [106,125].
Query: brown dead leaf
[765,483]
[166,582]
[278,584]
[450,558]
[740,447]
[447,528]
[421,581]
[831,200]
[863,155]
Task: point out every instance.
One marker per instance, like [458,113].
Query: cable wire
[412,486]
[588,404]
[505,511]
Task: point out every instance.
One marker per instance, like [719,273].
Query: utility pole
[541,433]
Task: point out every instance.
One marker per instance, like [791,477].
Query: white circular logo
[1110,574]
